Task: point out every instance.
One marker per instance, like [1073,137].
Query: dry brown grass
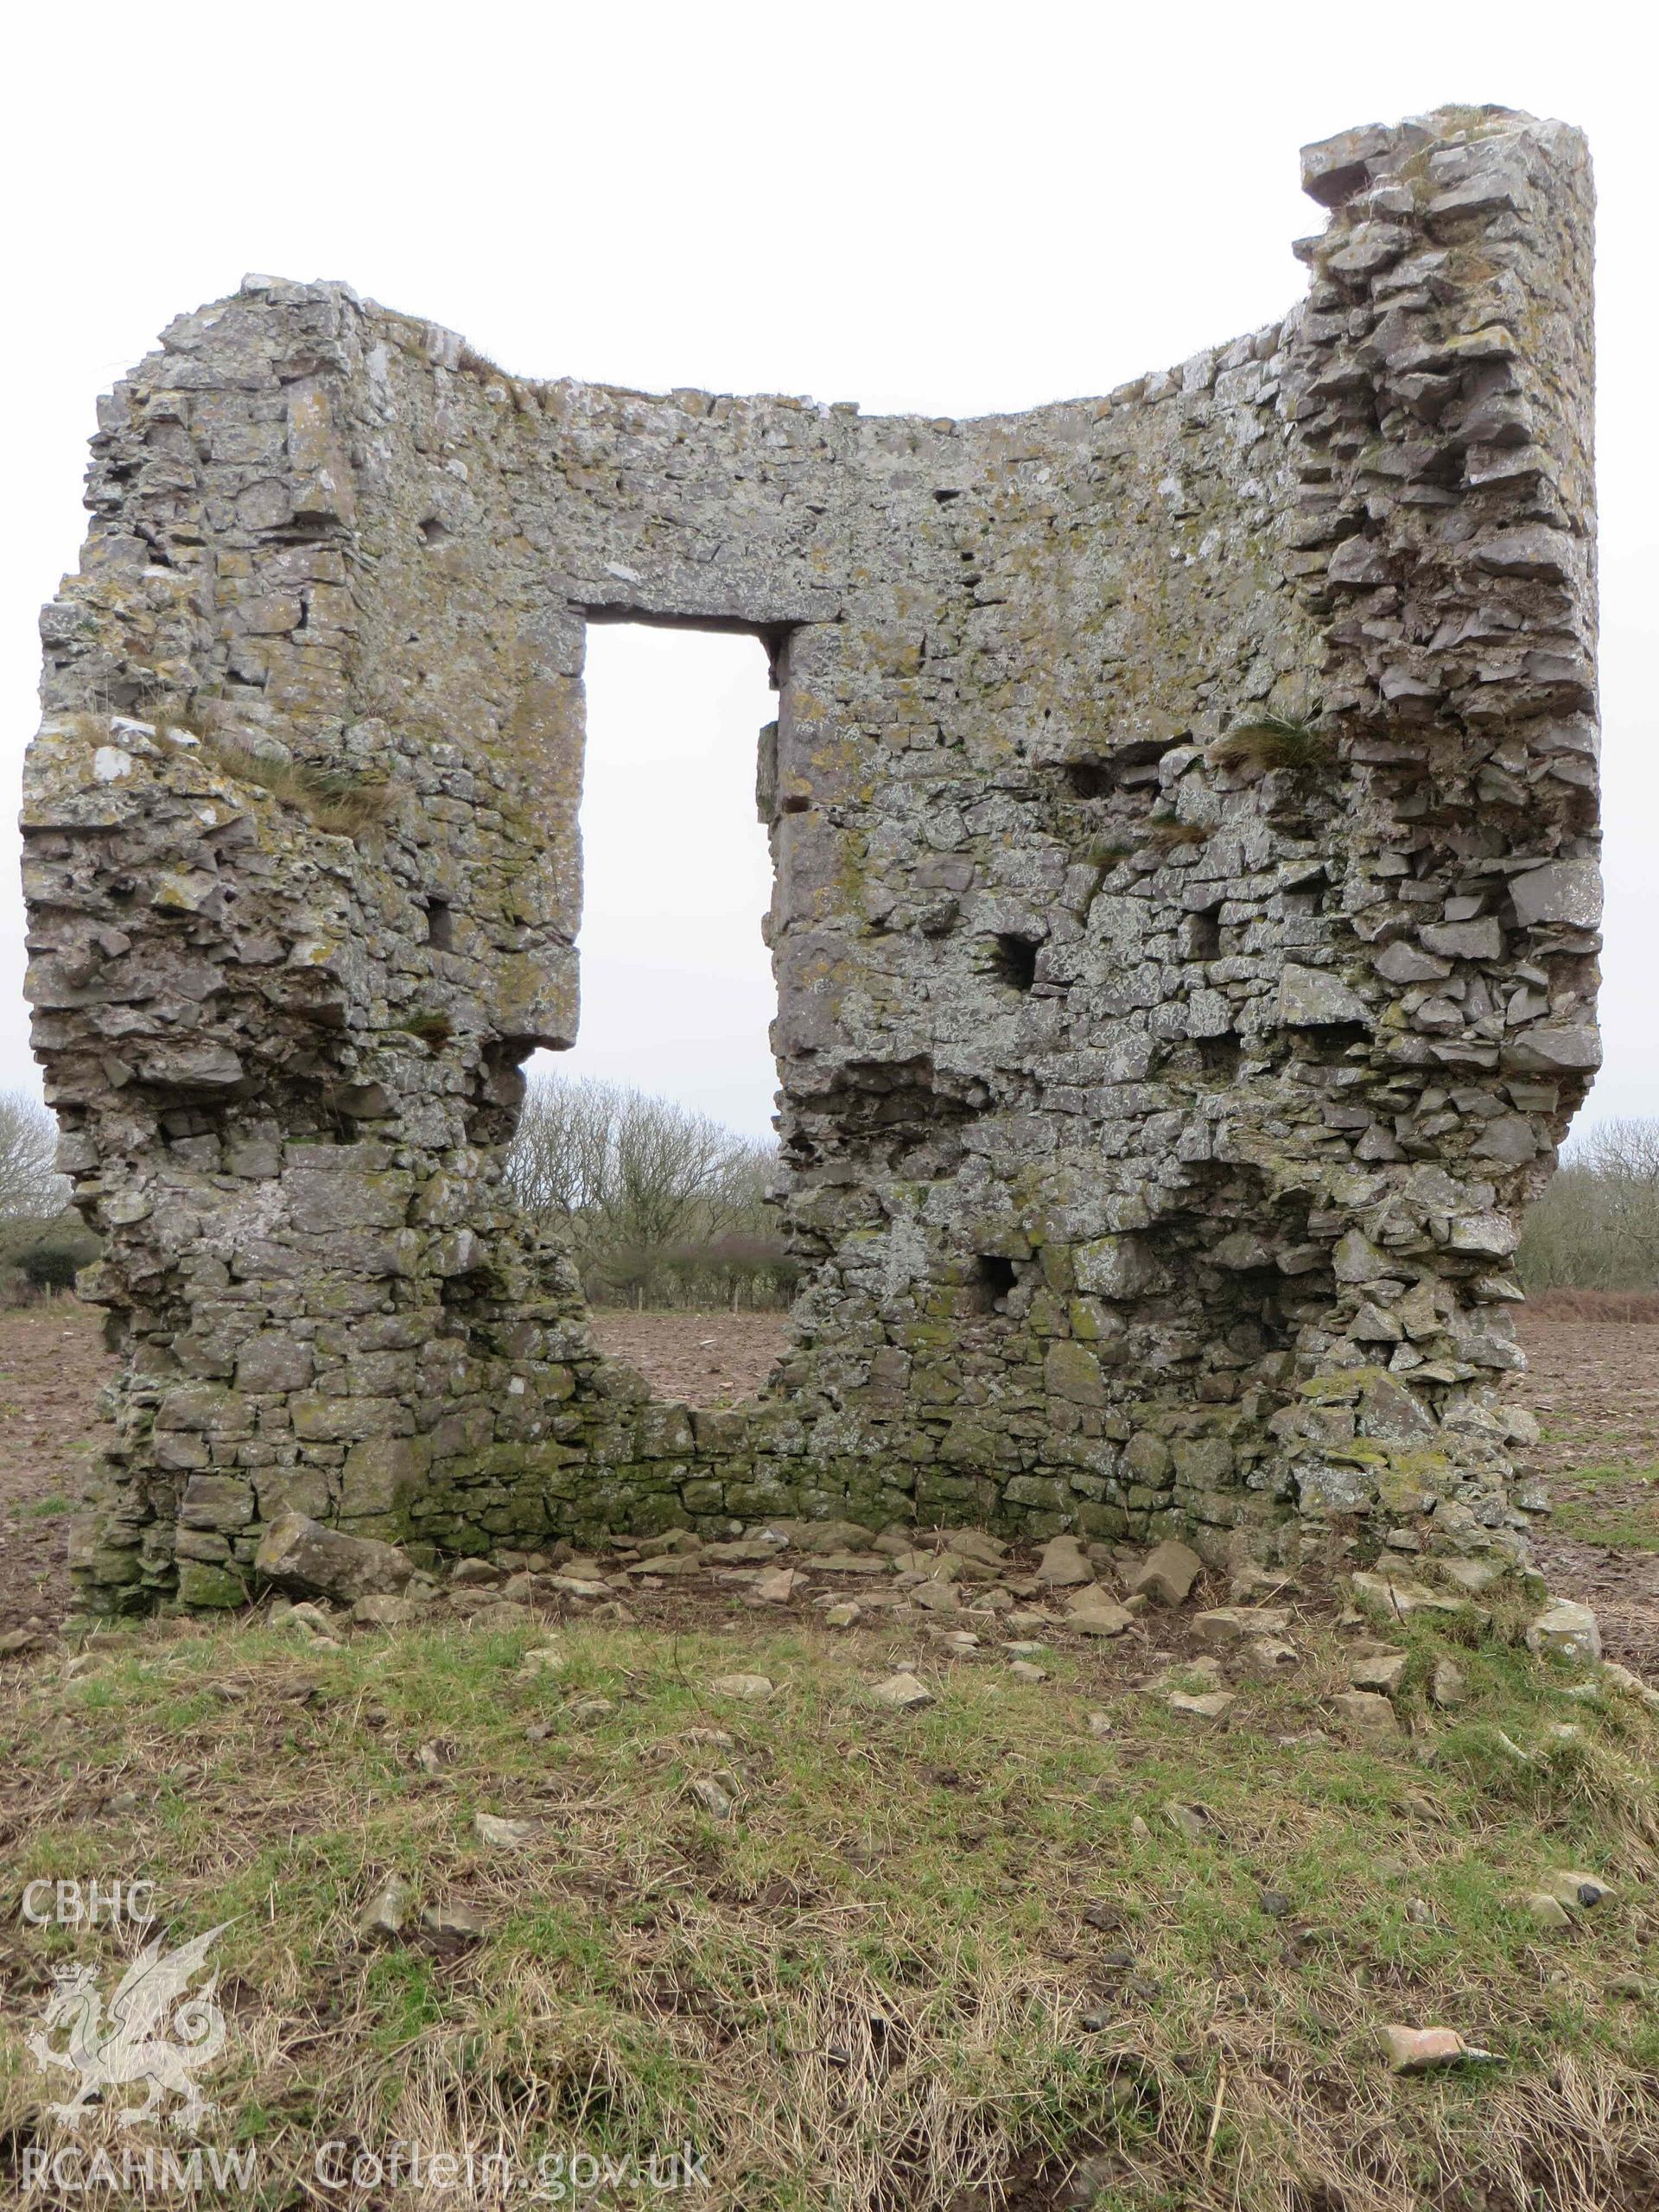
[338,803]
[1270,741]
[1610,1305]
[1168,834]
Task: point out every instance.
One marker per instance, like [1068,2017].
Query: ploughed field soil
[1593,1383]
[1594,1386]
[703,1359]
[51,1365]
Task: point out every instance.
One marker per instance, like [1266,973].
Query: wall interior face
[1184,809]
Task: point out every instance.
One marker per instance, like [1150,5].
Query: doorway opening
[649,1145]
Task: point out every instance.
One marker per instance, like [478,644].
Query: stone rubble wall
[1183,812]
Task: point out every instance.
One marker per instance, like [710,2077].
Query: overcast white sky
[920,207]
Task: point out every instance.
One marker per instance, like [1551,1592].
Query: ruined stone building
[1184,811]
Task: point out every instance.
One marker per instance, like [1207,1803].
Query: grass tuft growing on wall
[1270,741]
[337,802]
[1168,834]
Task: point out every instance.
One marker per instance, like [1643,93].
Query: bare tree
[558,1165]
[30,1186]
[644,1190]
[1596,1225]
[671,1167]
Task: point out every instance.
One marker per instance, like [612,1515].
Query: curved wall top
[1184,809]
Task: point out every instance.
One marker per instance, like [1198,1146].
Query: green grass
[1635,1529]
[43,1509]
[1622,1521]
[876,1985]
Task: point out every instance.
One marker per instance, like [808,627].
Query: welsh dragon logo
[154,2034]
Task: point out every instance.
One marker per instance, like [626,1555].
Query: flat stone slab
[1167,1574]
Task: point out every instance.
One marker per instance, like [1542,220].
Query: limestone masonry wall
[1184,809]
